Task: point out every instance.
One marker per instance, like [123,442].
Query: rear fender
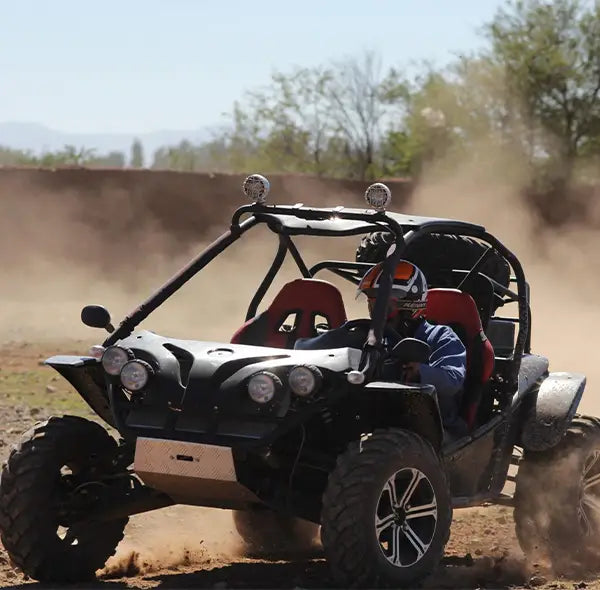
[415,408]
[85,374]
[551,411]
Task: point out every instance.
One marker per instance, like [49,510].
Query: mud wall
[183,205]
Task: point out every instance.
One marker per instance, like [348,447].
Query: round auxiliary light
[378,196]
[135,375]
[304,380]
[262,387]
[256,188]
[113,359]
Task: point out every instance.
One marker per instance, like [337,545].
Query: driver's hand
[411,372]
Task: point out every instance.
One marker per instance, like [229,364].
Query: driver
[446,369]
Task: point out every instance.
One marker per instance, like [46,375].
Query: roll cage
[288,221]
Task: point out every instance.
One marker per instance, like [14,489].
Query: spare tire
[436,255]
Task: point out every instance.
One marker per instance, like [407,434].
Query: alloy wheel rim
[406,517]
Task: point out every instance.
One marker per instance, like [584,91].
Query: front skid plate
[191,473]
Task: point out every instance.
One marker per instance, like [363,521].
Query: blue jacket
[447,367]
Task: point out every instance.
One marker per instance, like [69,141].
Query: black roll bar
[139,314]
[343,269]
[268,280]
[297,258]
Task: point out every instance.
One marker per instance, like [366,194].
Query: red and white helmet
[409,287]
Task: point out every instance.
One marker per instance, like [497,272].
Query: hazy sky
[144,65]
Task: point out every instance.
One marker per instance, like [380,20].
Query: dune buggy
[294,441]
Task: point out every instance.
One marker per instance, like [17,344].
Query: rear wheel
[386,511]
[265,531]
[557,500]
[57,463]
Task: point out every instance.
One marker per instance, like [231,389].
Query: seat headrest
[451,306]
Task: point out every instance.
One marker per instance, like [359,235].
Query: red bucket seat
[309,301]
[459,311]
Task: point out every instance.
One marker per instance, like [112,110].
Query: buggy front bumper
[192,473]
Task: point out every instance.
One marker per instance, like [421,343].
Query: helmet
[409,287]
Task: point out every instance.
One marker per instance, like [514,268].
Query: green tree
[293,110]
[357,99]
[12,157]
[324,120]
[137,154]
[114,159]
[70,155]
[550,55]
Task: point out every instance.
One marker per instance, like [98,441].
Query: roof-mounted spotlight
[256,188]
[378,196]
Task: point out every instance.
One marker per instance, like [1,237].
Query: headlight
[304,380]
[135,375]
[114,358]
[262,387]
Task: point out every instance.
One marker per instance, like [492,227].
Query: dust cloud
[59,253]
[173,537]
[55,260]
[561,266]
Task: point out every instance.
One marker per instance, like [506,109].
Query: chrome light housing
[114,359]
[378,196]
[263,386]
[256,187]
[304,381]
[135,375]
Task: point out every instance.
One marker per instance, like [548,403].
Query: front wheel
[386,511]
[55,467]
[557,500]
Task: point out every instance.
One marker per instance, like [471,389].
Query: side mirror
[411,350]
[97,316]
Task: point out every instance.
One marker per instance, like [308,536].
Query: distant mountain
[39,138]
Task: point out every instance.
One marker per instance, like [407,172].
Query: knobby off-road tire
[265,531]
[31,486]
[366,540]
[557,500]
[435,252]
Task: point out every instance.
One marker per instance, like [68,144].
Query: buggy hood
[195,365]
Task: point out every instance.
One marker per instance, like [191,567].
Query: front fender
[551,411]
[84,373]
[397,405]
